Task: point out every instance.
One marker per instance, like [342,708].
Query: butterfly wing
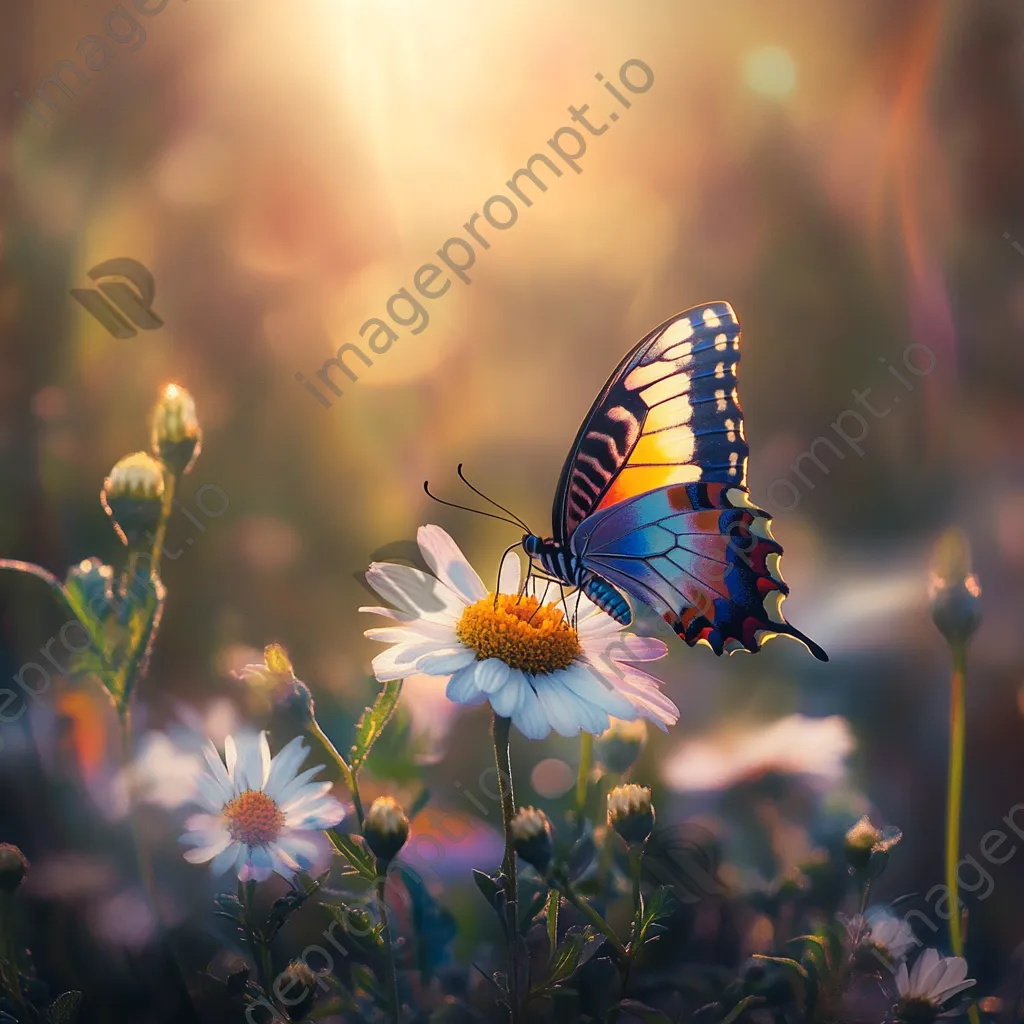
[669,414]
[653,495]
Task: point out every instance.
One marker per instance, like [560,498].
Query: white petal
[300,848]
[253,757]
[294,788]
[415,633]
[204,836]
[258,866]
[529,717]
[201,854]
[492,674]
[559,706]
[225,859]
[306,796]
[948,992]
[588,682]
[643,692]
[505,699]
[209,793]
[623,647]
[449,564]
[218,774]
[399,662]
[955,972]
[928,965]
[416,592]
[284,766]
[444,662]
[323,813]
[462,688]
[231,757]
[203,822]
[510,574]
[902,980]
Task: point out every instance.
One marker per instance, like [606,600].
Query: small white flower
[934,980]
[879,929]
[261,815]
[513,649]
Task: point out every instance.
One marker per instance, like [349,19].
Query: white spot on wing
[710,319]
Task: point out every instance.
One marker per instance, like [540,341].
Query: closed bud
[631,813]
[619,747]
[866,845]
[275,681]
[13,867]
[531,834]
[177,438]
[133,497]
[385,828]
[296,987]
[954,593]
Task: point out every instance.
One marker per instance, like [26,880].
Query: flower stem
[553,898]
[954,797]
[388,945]
[347,774]
[502,727]
[954,794]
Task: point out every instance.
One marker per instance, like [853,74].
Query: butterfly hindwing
[669,414]
[702,556]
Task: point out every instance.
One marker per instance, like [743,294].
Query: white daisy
[883,931]
[934,980]
[261,815]
[516,650]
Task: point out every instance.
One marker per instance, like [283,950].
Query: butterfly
[652,505]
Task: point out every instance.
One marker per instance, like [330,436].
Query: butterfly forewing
[669,414]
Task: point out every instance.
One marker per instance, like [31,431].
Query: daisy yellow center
[253,818]
[520,631]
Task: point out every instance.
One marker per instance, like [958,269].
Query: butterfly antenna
[491,501]
[501,563]
[466,508]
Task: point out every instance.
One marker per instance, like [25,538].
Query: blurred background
[848,176]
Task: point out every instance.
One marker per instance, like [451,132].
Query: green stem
[954,798]
[348,776]
[592,916]
[503,764]
[389,948]
[259,948]
[170,482]
[954,794]
[635,859]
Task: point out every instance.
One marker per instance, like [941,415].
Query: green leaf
[743,1005]
[648,1014]
[786,962]
[64,1009]
[353,848]
[656,906]
[490,888]
[435,927]
[372,724]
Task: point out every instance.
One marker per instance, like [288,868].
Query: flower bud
[386,828]
[177,438]
[631,813]
[859,842]
[237,979]
[94,581]
[275,681]
[13,867]
[619,747]
[954,593]
[296,988]
[132,496]
[531,834]
[866,845]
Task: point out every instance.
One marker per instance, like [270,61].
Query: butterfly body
[652,503]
